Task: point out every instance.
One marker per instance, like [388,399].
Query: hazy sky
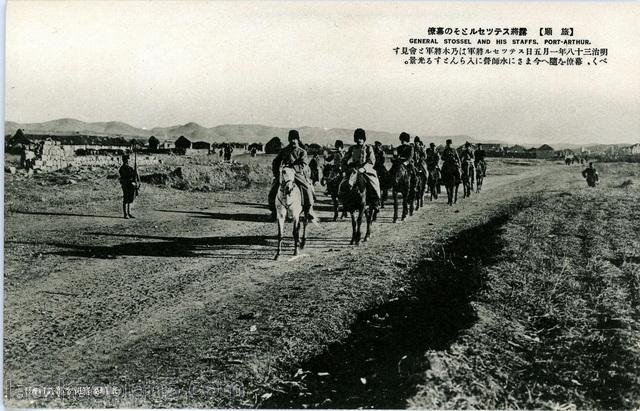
[325,64]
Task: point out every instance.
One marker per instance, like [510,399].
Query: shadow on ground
[382,363]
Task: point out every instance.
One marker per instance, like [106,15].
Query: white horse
[289,197]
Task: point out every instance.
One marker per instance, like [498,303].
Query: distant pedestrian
[591,175]
[129,183]
[228,149]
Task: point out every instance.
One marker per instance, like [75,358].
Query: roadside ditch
[383,360]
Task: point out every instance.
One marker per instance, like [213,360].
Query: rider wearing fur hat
[362,158]
[294,156]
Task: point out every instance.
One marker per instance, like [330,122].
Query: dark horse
[332,179]
[354,200]
[420,186]
[315,173]
[451,179]
[402,183]
[467,178]
[481,169]
[385,184]
[433,181]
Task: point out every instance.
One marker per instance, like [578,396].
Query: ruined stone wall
[55,156]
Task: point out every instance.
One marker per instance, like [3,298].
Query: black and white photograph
[321,204]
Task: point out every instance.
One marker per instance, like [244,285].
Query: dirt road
[185,304]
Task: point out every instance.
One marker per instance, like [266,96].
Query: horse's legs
[280,228]
[395,205]
[296,232]
[455,191]
[449,188]
[303,240]
[369,213]
[359,224]
[353,228]
[383,198]
[412,193]
[334,199]
[405,203]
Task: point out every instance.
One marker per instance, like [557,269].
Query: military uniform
[335,158]
[451,161]
[481,164]
[450,155]
[128,181]
[380,158]
[363,157]
[591,175]
[467,155]
[295,157]
[405,155]
[432,159]
[419,158]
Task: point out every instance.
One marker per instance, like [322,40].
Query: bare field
[183,306]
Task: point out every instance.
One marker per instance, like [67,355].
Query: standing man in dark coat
[228,149]
[129,183]
[591,175]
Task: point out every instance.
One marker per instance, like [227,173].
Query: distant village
[47,152]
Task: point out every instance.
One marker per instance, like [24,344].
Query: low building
[166,145]
[201,145]
[544,151]
[196,151]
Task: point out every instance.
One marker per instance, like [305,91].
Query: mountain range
[243,133]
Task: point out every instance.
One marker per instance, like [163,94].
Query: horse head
[287,180]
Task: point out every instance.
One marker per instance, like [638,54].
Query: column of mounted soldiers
[344,166]
[369,162]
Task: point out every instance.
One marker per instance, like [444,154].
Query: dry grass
[558,324]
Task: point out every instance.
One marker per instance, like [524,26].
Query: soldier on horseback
[432,157]
[467,159]
[450,156]
[480,163]
[406,154]
[294,156]
[467,153]
[381,170]
[433,161]
[420,155]
[361,157]
[379,154]
[335,158]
